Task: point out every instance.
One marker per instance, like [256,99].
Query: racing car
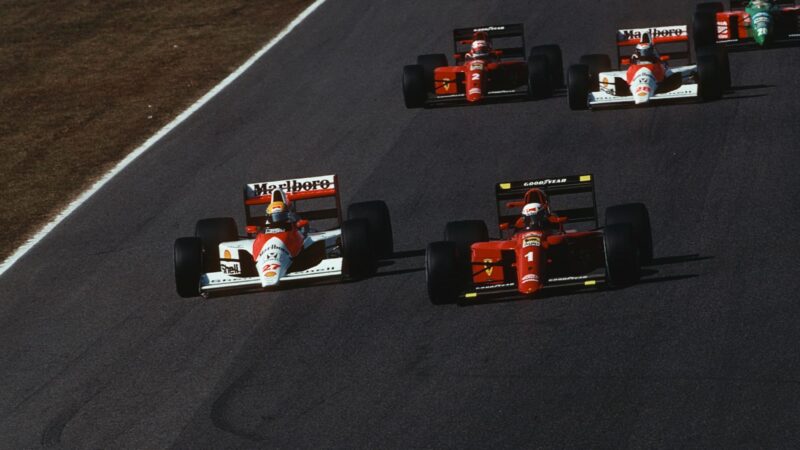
[287,244]
[483,72]
[649,77]
[748,25]
[540,249]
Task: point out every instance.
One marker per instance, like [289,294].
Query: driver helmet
[277,214]
[481,45]
[535,216]
[645,51]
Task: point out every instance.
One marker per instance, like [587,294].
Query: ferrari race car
[539,249]
[482,71]
[748,25]
[649,78]
[286,246]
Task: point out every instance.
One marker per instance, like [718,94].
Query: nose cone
[529,284]
[641,97]
[474,95]
[761,39]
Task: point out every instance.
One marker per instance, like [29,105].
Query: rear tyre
[704,28]
[710,7]
[597,63]
[710,80]
[376,213]
[721,55]
[188,258]
[431,62]
[212,232]
[539,83]
[578,87]
[555,62]
[622,262]
[443,273]
[638,217]
[414,87]
[359,259]
[463,234]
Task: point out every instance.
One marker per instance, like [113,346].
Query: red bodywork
[741,22]
[474,78]
[658,70]
[529,258]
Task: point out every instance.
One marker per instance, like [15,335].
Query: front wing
[217,283]
[509,290]
[600,98]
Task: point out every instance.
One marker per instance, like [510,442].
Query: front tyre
[376,213]
[539,83]
[188,259]
[555,62]
[414,89]
[212,232]
[621,255]
[710,82]
[443,272]
[578,87]
[597,64]
[638,217]
[358,258]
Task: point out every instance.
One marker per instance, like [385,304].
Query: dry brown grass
[82,83]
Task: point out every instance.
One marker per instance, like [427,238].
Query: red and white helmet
[534,215]
[645,51]
[481,45]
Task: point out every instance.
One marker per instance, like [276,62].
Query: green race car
[749,24]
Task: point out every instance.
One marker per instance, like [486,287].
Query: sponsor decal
[492,28]
[530,278]
[576,278]
[226,254]
[531,241]
[474,91]
[545,182]
[476,65]
[230,268]
[270,274]
[291,186]
[642,94]
[627,35]
[487,267]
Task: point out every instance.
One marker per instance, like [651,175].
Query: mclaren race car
[540,249]
[646,75]
[284,243]
[489,63]
[748,25]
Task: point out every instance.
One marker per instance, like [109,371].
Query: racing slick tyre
[637,216]
[578,87]
[188,266]
[376,213]
[621,256]
[414,90]
[429,63]
[539,83]
[463,234]
[597,63]
[211,232]
[704,28]
[555,62]
[721,55]
[443,273]
[710,76]
[359,259]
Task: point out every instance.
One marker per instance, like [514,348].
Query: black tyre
[704,29]
[578,87]
[710,7]
[555,62]
[376,213]
[443,272]
[415,91]
[359,259]
[539,84]
[463,234]
[721,55]
[212,232]
[429,63]
[638,217]
[188,256]
[622,262]
[597,63]
[710,80]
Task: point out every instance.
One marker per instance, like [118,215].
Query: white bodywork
[273,264]
[643,87]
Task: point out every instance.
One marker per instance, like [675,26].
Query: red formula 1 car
[538,248]
[489,63]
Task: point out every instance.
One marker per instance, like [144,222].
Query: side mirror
[557,219]
[302,223]
[504,226]
[517,204]
[251,229]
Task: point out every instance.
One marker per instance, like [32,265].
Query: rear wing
[553,187]
[676,36]
[739,5]
[510,39]
[299,192]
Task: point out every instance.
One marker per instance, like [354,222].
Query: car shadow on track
[396,256]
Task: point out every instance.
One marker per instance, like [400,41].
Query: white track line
[27,246]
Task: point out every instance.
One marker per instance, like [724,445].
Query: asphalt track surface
[97,350]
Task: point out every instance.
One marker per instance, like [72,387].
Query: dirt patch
[83,83]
